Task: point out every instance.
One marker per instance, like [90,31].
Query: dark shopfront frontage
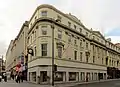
[113,73]
[25,72]
[100,76]
[26,68]
[21,68]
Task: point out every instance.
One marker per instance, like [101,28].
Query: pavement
[115,83]
[107,83]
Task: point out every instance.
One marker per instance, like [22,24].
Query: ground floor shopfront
[42,74]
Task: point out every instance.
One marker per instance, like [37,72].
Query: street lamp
[52,26]
[30,51]
[1,70]
[54,66]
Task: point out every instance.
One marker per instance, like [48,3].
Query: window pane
[44,53]
[93,59]
[59,52]
[80,30]
[34,76]
[75,42]
[80,56]
[44,49]
[102,60]
[35,51]
[58,76]
[86,45]
[59,34]
[31,39]
[75,55]
[44,13]
[72,76]
[87,34]
[44,46]
[69,38]
[35,34]
[44,32]
[59,18]
[28,41]
[80,43]
[87,58]
[69,24]
[75,26]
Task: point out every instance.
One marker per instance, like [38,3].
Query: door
[43,75]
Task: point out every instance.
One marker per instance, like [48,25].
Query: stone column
[85,76]
[77,76]
[37,75]
[67,76]
[49,74]
[105,76]
[97,76]
[64,76]
[28,76]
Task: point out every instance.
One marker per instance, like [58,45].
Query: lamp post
[2,65]
[52,26]
[54,67]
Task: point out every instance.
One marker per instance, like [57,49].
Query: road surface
[26,84]
[101,84]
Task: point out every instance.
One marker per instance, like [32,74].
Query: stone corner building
[80,53]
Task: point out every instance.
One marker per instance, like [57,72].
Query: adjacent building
[9,58]
[2,66]
[16,53]
[79,53]
[117,44]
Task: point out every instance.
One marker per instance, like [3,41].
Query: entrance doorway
[100,76]
[43,75]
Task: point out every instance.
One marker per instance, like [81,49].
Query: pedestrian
[0,78]
[18,78]
[5,77]
[86,78]
[21,76]
[13,76]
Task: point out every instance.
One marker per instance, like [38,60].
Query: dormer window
[69,24]
[80,29]
[74,26]
[44,13]
[86,34]
[59,18]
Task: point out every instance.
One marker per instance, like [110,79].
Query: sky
[102,15]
